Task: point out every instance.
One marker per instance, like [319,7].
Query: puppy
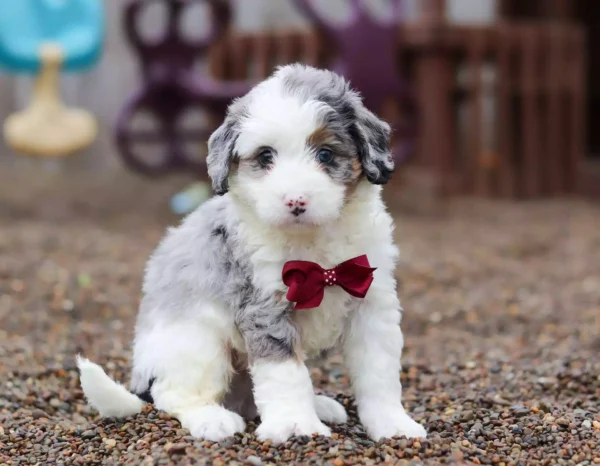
[298,164]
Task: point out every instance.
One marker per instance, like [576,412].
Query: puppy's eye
[325,155]
[265,157]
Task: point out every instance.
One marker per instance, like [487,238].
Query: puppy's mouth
[304,221]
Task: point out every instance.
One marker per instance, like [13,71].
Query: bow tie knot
[307,280]
[330,277]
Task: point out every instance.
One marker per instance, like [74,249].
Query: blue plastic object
[77,26]
[186,201]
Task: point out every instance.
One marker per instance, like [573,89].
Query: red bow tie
[307,280]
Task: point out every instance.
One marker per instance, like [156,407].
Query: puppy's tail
[110,398]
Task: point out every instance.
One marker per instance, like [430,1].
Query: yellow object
[47,127]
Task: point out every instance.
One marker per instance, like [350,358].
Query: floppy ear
[372,137]
[221,153]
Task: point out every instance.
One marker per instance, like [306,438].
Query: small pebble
[110,443]
[38,413]
[254,460]
[467,415]
[175,448]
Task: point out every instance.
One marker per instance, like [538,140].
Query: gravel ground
[502,327]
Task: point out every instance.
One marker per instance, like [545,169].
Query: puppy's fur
[298,162]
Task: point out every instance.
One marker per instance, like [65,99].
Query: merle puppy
[243,292]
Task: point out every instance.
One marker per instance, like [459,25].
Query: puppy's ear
[221,153]
[372,137]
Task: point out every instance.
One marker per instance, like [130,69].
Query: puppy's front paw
[212,423]
[329,410]
[387,422]
[278,429]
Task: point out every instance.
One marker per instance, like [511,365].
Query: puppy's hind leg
[191,365]
[330,410]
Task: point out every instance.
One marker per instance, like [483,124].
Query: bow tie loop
[307,280]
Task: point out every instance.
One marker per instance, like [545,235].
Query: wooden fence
[501,106]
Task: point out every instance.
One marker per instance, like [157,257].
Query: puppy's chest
[320,327]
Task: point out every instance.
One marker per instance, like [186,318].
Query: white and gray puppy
[298,163]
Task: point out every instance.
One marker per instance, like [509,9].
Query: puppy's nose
[296,205]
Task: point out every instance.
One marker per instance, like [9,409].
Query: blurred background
[495,106]
[511,88]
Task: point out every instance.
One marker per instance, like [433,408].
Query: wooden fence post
[435,83]
[553,136]
[579,54]
[532,157]
[506,83]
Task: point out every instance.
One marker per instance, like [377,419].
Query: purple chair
[171,87]
[368,57]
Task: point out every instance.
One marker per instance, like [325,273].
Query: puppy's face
[295,147]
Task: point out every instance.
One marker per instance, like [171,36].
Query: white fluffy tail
[110,398]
